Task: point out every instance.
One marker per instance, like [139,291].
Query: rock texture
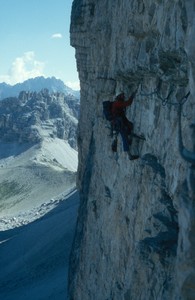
[136,224]
[33,115]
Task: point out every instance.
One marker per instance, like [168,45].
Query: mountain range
[36,85]
[38,199]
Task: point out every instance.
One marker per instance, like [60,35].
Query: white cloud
[75,85]
[56,36]
[23,68]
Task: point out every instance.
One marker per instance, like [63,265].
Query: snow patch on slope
[31,175]
[58,154]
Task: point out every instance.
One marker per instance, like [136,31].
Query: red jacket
[118,107]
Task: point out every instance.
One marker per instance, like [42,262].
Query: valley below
[39,204]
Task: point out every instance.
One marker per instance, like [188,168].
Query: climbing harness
[117,126]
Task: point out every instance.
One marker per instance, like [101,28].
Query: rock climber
[120,122]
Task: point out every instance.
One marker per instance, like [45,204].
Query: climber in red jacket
[120,122]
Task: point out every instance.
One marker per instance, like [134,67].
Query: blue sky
[35,41]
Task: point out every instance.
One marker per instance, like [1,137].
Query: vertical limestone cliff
[136,224]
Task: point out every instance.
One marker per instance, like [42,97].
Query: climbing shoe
[139,136]
[133,157]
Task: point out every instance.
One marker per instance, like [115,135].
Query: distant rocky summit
[36,84]
[34,115]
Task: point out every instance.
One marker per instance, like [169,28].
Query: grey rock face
[135,232]
[33,115]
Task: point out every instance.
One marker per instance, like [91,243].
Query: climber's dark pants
[125,128]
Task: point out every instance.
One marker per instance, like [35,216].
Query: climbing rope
[156,92]
[166,101]
[181,103]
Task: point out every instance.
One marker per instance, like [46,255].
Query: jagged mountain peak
[34,115]
[36,85]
